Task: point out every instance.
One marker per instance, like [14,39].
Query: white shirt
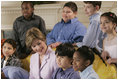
[89,73]
[4,63]
[111,47]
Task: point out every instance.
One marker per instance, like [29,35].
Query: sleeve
[78,34]
[31,70]
[50,37]
[42,26]
[91,33]
[16,62]
[75,75]
[16,37]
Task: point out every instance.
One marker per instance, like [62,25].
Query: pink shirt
[46,69]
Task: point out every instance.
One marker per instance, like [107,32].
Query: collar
[96,14]
[46,56]
[32,17]
[70,21]
[86,71]
[67,71]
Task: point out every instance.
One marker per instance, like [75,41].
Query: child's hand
[105,55]
[109,61]
[54,45]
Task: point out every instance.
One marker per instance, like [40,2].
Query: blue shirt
[67,74]
[89,73]
[93,31]
[71,31]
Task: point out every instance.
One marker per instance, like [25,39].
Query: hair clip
[110,14]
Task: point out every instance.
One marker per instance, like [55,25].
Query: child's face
[39,46]
[8,50]
[68,14]
[106,25]
[27,10]
[78,62]
[89,9]
[63,62]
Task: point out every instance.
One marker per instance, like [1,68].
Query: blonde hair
[34,33]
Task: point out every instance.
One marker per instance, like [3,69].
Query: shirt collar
[94,15]
[32,17]
[67,71]
[86,71]
[70,21]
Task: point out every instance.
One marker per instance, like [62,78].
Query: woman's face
[106,25]
[8,50]
[68,14]
[39,46]
[78,62]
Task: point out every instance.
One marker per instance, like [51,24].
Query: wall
[51,13]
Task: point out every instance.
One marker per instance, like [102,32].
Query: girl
[43,62]
[64,57]
[9,59]
[69,29]
[82,60]
[108,23]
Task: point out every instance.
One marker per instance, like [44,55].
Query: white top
[4,63]
[111,47]
[89,73]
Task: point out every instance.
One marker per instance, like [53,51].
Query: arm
[112,61]
[42,26]
[91,34]
[50,37]
[77,35]
[31,76]
[16,38]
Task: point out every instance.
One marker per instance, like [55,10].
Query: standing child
[43,62]
[82,60]
[108,23]
[64,57]
[69,30]
[91,9]
[9,59]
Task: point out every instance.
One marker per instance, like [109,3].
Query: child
[108,23]
[22,24]
[43,62]
[82,60]
[91,9]
[64,57]
[69,29]
[9,59]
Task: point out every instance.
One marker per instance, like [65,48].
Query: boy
[82,60]
[69,29]
[64,55]
[91,9]
[22,24]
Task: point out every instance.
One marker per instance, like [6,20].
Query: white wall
[51,13]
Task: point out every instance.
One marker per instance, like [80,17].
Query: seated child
[69,29]
[9,59]
[82,60]
[64,54]
[108,24]
[43,61]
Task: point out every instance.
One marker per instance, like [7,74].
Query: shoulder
[19,18]
[34,56]
[38,17]
[92,75]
